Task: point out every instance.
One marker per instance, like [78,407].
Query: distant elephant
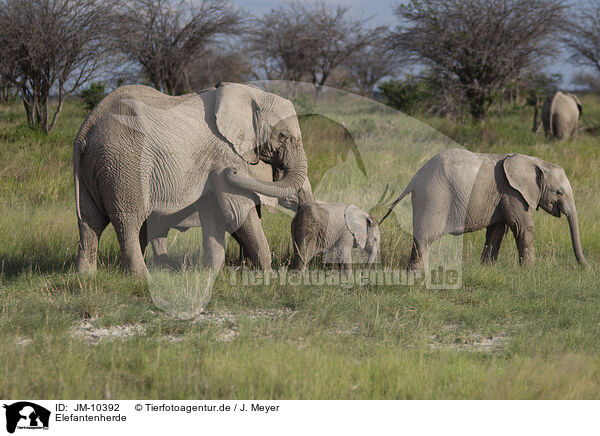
[142,159]
[321,227]
[458,191]
[560,116]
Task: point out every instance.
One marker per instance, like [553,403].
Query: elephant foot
[527,261]
[161,261]
[84,266]
[135,269]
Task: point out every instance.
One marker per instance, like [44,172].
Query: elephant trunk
[295,174]
[571,212]
[305,195]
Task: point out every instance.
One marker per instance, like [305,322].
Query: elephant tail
[406,191]
[78,147]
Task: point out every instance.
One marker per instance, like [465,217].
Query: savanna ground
[508,332]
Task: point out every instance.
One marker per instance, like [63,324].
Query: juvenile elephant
[260,171]
[143,160]
[458,191]
[560,116]
[320,227]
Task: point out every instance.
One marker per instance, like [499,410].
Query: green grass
[310,342]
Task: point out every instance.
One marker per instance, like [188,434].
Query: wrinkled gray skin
[143,160]
[261,171]
[338,143]
[458,191]
[560,116]
[320,227]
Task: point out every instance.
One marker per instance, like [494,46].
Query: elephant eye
[560,191]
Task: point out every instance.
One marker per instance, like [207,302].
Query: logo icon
[26,415]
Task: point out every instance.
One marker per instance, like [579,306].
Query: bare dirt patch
[88,330]
[468,341]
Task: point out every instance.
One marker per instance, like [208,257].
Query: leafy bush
[93,95]
[408,95]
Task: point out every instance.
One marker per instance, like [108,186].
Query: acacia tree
[218,63]
[307,41]
[477,46]
[280,44]
[7,88]
[371,63]
[51,45]
[164,38]
[583,34]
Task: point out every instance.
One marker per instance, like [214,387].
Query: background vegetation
[509,332]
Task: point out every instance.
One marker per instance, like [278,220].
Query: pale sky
[382,13]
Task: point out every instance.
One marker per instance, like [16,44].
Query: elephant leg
[493,241]
[418,256]
[303,254]
[254,242]
[428,227]
[91,226]
[305,248]
[213,235]
[128,229]
[159,248]
[343,252]
[244,257]
[524,237]
[344,255]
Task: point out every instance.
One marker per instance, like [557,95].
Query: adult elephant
[142,158]
[560,116]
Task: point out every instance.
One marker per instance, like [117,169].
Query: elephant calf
[458,191]
[321,227]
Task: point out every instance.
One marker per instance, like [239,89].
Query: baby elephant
[458,191]
[321,227]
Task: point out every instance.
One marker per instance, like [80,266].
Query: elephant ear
[524,174]
[235,113]
[357,223]
[577,102]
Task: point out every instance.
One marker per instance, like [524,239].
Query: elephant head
[365,230]
[325,142]
[261,125]
[545,185]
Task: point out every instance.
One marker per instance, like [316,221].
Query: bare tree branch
[583,34]
[371,63]
[164,38]
[477,46]
[307,41]
[51,43]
